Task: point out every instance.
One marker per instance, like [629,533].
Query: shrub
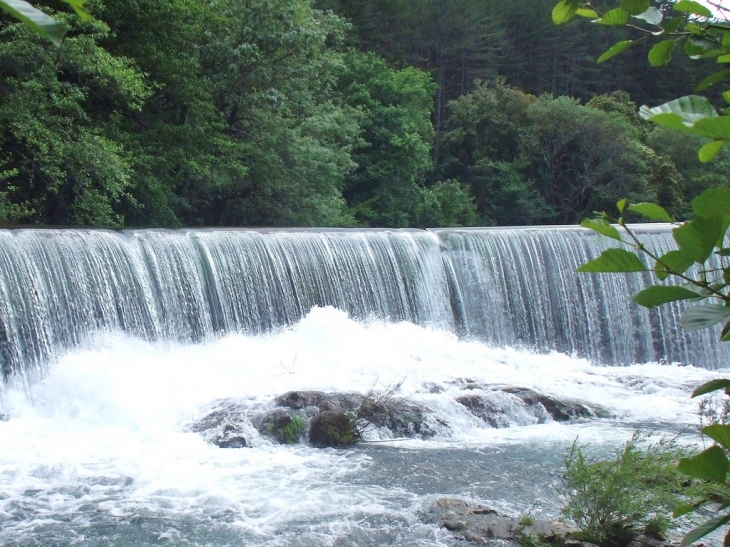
[613,500]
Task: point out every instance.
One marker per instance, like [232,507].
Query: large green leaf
[698,237]
[614,260]
[684,111]
[661,53]
[704,316]
[682,510]
[651,211]
[705,528]
[614,50]
[710,465]
[696,8]
[660,294]
[635,7]
[712,385]
[708,151]
[673,262]
[712,202]
[588,13]
[712,79]
[614,17]
[720,433]
[601,226]
[40,22]
[78,7]
[713,128]
[564,11]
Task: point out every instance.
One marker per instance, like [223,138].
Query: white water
[98,453]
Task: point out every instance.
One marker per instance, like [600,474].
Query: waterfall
[506,286]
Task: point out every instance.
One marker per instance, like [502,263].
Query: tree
[393,155]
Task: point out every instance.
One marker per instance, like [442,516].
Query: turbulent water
[114,343]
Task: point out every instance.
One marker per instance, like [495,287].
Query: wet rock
[486,409]
[333,428]
[401,418]
[481,525]
[559,411]
[230,437]
[298,400]
[4,418]
[226,426]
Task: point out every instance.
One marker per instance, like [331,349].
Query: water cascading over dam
[513,287]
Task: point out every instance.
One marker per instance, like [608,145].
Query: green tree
[393,156]
[61,160]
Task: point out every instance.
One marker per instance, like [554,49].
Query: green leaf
[635,7]
[661,53]
[720,433]
[601,226]
[672,24]
[676,262]
[712,385]
[712,202]
[724,58]
[712,79]
[78,7]
[713,128]
[651,211]
[708,152]
[614,50]
[589,13]
[614,17]
[688,6]
[698,237]
[703,529]
[621,205]
[689,110]
[710,465]
[660,294]
[564,11]
[725,334]
[40,22]
[703,317]
[684,509]
[614,260]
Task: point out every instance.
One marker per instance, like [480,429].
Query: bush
[612,501]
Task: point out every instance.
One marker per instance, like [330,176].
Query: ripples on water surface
[98,453]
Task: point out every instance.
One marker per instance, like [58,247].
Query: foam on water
[100,448]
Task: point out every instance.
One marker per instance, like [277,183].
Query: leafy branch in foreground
[698,241]
[689,25]
[701,274]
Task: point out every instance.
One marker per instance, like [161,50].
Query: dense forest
[334,113]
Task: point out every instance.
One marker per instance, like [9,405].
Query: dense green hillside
[342,113]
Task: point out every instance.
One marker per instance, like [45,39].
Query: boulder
[481,525]
[487,410]
[333,428]
[560,411]
[298,400]
[401,418]
[227,426]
